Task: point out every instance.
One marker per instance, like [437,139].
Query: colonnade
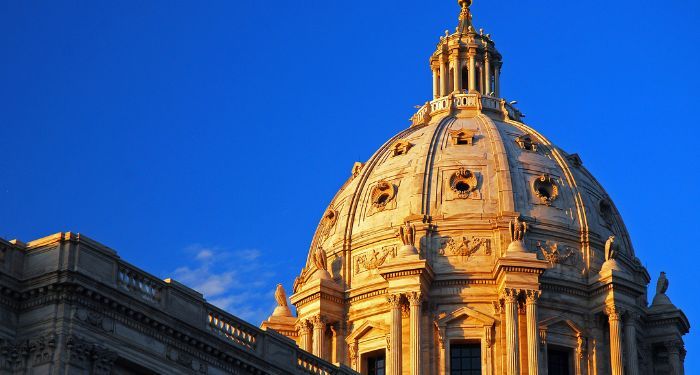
[312,335]
[482,74]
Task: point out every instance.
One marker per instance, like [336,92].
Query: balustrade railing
[464,102]
[139,283]
[233,329]
[312,365]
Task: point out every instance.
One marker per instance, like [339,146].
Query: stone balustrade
[139,283]
[232,328]
[476,102]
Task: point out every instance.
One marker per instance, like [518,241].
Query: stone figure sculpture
[611,248]
[281,296]
[518,228]
[320,259]
[662,284]
[408,234]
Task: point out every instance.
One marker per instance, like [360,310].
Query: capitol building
[467,244]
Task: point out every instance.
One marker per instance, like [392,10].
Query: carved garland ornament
[383,193]
[551,253]
[546,189]
[463,182]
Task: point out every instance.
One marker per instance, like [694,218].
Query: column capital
[414,298]
[510,295]
[531,296]
[614,312]
[394,300]
[318,321]
[303,325]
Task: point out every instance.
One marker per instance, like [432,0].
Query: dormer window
[462,136]
[526,143]
[400,147]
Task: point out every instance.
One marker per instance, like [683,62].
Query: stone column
[631,343]
[338,342]
[510,297]
[531,297]
[457,69]
[615,345]
[444,75]
[487,74]
[395,334]
[580,360]
[436,82]
[304,329]
[497,80]
[472,72]
[415,299]
[319,324]
[674,356]
[443,364]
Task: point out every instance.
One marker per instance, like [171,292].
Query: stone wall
[70,305]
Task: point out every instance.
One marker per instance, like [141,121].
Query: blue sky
[203,140]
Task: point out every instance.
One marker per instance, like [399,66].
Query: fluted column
[436,83]
[615,338]
[510,299]
[304,330]
[531,297]
[339,330]
[444,75]
[395,334]
[415,299]
[319,324]
[472,72]
[631,343]
[674,356]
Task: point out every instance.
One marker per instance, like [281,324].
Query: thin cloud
[236,281]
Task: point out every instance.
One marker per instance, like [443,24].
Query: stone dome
[470,230]
[463,176]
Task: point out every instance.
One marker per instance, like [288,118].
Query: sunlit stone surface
[470,242]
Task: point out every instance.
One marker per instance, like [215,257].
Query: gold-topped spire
[465,17]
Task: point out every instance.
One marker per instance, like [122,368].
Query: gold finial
[465,3]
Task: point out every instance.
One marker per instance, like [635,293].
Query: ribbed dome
[462,178]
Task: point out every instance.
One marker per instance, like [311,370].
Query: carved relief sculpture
[400,147]
[518,228]
[463,182]
[372,261]
[383,193]
[466,246]
[546,189]
[552,253]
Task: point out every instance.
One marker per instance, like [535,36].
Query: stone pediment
[366,329]
[560,324]
[464,314]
